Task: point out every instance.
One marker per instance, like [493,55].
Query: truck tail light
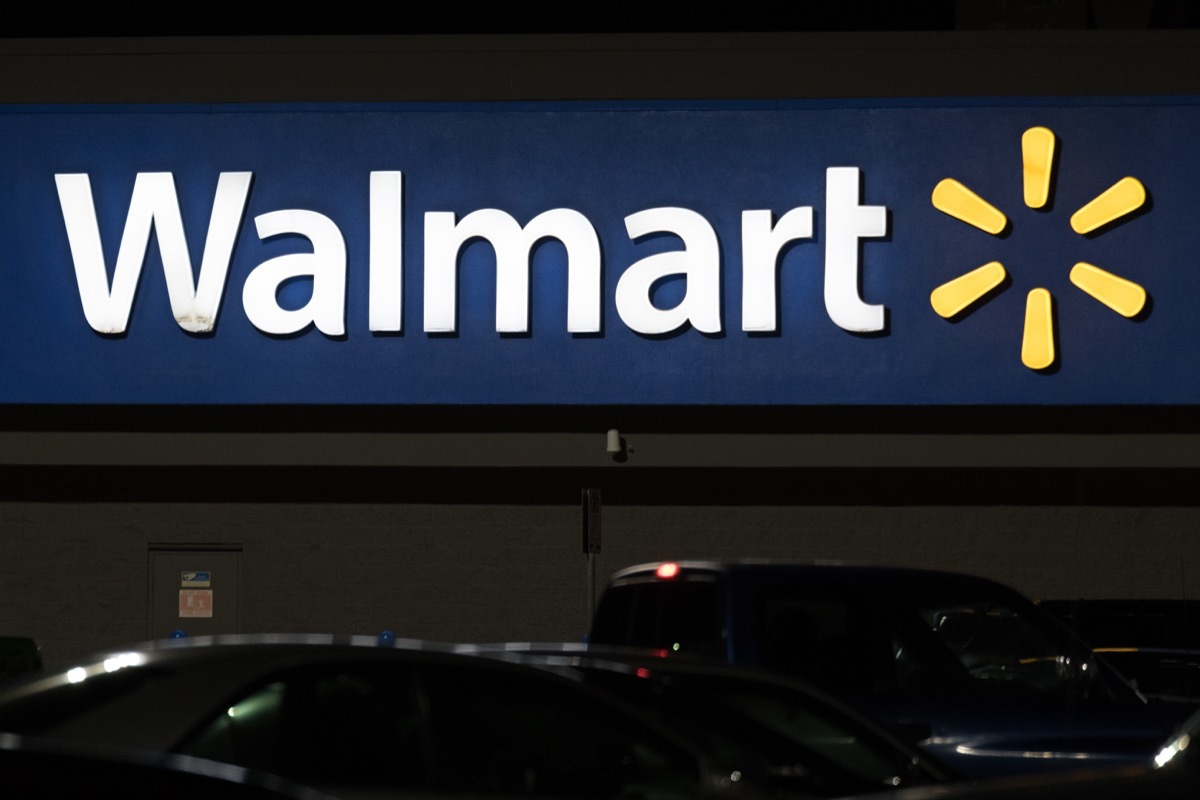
[667,571]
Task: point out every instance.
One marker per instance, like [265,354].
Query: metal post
[591,545]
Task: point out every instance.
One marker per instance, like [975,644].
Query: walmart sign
[792,253]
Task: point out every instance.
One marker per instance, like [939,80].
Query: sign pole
[591,545]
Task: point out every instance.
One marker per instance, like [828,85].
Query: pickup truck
[967,668]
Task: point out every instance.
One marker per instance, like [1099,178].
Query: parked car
[1174,774]
[1155,643]
[1182,751]
[19,655]
[970,669]
[781,736]
[352,717]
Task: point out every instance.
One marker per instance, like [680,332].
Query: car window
[840,740]
[996,643]
[842,643]
[353,726]
[511,733]
[684,616]
[855,642]
[777,741]
[442,729]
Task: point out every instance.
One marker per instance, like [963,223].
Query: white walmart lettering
[195,301]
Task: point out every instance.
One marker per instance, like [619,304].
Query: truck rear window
[683,616]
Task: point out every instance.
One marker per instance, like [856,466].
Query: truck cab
[966,667]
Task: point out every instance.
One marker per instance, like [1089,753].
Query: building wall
[74,575]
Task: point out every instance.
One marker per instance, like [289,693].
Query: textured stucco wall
[75,575]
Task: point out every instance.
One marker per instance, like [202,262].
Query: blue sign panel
[913,253]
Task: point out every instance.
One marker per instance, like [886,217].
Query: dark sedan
[782,736]
[352,717]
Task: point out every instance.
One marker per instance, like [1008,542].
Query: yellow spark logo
[1037,343]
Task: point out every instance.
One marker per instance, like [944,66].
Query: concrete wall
[75,575]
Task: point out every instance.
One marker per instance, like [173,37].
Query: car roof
[245,655]
[636,660]
[705,674]
[193,676]
[814,571]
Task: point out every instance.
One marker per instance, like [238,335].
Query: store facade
[343,354]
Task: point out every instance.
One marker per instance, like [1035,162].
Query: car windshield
[915,642]
[765,734]
[993,642]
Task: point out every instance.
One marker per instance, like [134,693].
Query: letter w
[154,204]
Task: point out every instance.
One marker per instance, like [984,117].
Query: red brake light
[667,571]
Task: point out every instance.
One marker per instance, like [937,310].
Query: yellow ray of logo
[1037,345]
[1037,155]
[953,296]
[1123,197]
[1123,296]
[951,197]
